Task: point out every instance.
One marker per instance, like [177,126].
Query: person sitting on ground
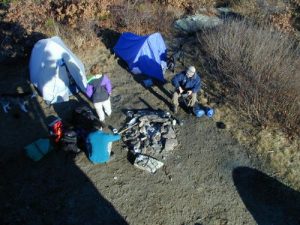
[99,145]
[187,82]
[99,89]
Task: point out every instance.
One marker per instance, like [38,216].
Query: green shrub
[259,70]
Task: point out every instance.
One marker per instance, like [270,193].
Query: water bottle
[198,111]
[115,131]
[210,112]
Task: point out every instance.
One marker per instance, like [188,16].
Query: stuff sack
[56,129]
[84,118]
[69,141]
[38,149]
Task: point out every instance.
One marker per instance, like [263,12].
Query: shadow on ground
[269,201]
[53,190]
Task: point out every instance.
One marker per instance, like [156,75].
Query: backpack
[69,141]
[56,129]
[171,64]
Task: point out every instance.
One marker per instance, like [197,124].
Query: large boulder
[192,24]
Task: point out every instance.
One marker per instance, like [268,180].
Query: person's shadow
[269,201]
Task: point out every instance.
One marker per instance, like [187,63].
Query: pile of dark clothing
[70,137]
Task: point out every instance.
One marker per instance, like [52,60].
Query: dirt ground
[209,179]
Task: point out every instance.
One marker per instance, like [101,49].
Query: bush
[141,17]
[259,70]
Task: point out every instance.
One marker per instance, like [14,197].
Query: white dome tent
[55,70]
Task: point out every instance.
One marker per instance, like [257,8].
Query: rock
[137,145]
[143,130]
[164,129]
[170,144]
[153,118]
[156,147]
[156,137]
[170,133]
[197,22]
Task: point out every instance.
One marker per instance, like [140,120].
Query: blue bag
[38,149]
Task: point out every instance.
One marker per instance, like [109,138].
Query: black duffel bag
[84,118]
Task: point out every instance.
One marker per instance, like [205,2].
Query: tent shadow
[108,37]
[142,78]
[49,191]
[269,201]
[52,191]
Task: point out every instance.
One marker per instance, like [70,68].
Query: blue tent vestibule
[144,54]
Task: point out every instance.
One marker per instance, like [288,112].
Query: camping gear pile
[149,136]
[70,138]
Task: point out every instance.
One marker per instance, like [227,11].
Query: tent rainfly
[144,54]
[55,71]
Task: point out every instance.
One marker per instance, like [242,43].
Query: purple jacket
[99,91]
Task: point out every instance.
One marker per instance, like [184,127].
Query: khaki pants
[102,107]
[176,96]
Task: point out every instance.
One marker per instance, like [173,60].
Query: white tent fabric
[51,66]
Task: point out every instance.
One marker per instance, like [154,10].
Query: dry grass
[283,155]
[259,70]
[277,12]
[141,17]
[280,153]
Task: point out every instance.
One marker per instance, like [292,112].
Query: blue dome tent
[144,54]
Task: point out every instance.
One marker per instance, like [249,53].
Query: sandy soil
[209,179]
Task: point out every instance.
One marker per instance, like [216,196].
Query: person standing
[99,89]
[187,82]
